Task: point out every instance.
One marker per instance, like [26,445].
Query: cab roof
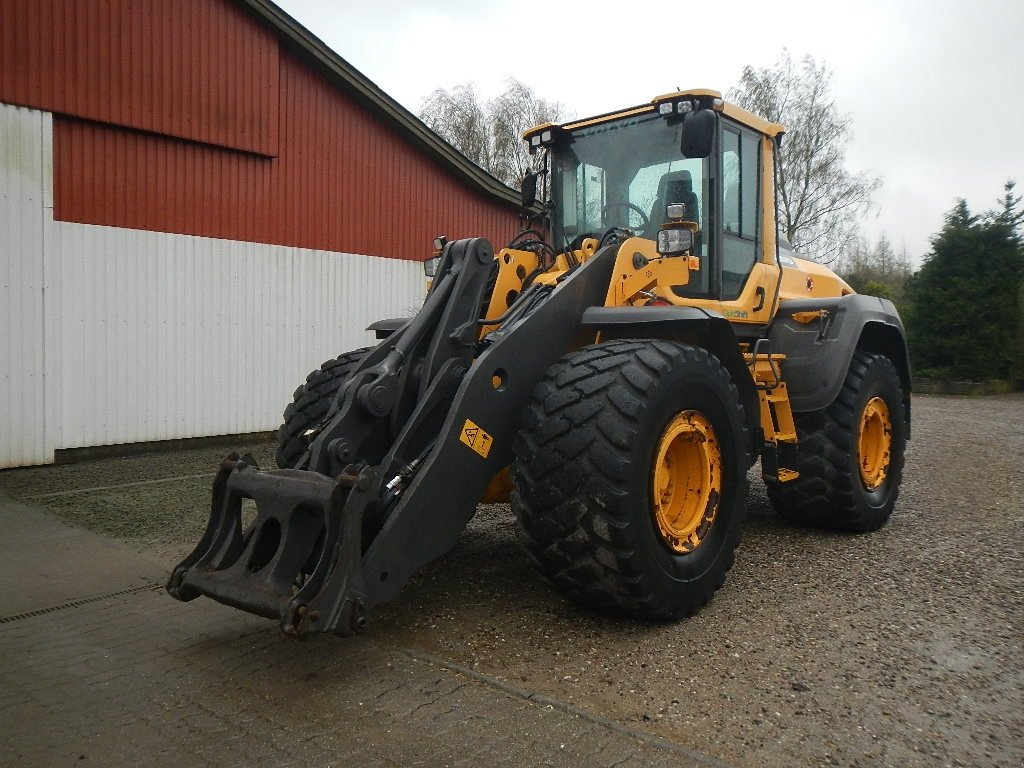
[713,98]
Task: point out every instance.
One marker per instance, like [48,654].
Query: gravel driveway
[899,648]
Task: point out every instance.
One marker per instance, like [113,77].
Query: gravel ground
[899,648]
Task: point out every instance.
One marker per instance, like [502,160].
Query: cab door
[746,274]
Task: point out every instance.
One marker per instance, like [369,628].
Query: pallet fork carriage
[620,371]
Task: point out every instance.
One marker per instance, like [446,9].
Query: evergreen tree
[964,316]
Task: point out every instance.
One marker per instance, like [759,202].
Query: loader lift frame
[358,530]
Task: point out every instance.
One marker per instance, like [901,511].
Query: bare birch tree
[490,133]
[459,117]
[879,270]
[820,201]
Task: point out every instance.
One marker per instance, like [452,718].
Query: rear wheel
[310,403]
[630,479]
[851,453]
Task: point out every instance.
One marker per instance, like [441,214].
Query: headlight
[675,241]
[670,108]
[430,266]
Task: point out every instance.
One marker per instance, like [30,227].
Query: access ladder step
[780,458]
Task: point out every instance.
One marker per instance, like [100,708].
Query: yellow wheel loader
[616,369]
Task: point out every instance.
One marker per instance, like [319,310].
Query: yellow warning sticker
[475,437]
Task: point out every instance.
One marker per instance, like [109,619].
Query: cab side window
[741,195]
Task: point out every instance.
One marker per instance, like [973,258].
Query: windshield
[624,174]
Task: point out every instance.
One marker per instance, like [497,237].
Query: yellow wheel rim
[874,444]
[687,481]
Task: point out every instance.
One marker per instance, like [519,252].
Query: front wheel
[310,403]
[851,453]
[629,475]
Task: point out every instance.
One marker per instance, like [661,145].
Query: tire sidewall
[879,382]
[703,387]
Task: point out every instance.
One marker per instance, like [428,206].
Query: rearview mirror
[529,189]
[698,133]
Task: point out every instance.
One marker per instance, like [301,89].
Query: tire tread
[572,462]
[310,403]
[825,495]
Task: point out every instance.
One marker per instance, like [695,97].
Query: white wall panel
[154,336]
[169,336]
[22,184]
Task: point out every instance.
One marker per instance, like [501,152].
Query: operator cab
[615,176]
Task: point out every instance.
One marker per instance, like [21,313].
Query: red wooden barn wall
[190,116]
[200,69]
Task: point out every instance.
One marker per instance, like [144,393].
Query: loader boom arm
[395,473]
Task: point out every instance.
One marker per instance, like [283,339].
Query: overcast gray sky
[935,89]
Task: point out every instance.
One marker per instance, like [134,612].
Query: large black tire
[583,484]
[830,492]
[310,403]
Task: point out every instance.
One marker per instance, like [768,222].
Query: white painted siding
[22,175]
[152,336]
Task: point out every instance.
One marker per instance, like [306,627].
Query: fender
[692,325]
[384,328]
[819,349]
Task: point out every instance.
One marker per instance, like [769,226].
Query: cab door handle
[759,291]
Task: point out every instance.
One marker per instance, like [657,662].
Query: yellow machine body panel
[803,279]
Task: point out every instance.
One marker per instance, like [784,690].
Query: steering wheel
[623,204]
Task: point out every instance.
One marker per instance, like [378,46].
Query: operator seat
[675,187]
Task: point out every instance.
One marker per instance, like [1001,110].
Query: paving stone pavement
[131,676]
